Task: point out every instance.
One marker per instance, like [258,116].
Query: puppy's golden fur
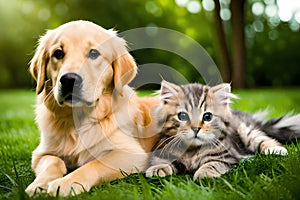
[102,130]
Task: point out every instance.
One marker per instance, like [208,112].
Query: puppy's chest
[83,144]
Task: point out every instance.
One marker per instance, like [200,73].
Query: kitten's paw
[277,150]
[202,173]
[161,170]
[199,174]
[209,170]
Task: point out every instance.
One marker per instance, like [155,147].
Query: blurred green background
[270,34]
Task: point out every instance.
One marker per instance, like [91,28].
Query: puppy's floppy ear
[125,70]
[38,64]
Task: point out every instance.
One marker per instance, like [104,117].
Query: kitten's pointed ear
[168,92]
[222,93]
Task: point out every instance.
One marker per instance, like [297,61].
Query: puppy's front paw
[161,170]
[36,187]
[277,150]
[65,186]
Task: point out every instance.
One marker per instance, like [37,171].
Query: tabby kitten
[201,135]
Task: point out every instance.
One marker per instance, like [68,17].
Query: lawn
[262,177]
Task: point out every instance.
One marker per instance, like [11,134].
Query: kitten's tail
[284,129]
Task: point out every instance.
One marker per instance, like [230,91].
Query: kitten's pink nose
[195,129]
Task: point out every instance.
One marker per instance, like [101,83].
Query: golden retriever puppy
[90,121]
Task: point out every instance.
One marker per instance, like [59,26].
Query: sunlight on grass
[17,104]
[261,177]
[278,101]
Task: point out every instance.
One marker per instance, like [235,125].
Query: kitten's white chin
[200,140]
[195,142]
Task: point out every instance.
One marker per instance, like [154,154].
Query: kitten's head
[196,113]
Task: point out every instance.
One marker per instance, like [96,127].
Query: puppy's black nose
[71,82]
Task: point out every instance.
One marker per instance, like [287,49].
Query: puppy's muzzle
[71,83]
[71,89]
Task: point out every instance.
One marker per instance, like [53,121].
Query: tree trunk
[238,43]
[223,55]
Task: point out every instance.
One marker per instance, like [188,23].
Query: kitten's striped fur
[203,136]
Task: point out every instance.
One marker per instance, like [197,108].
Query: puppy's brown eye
[93,54]
[59,54]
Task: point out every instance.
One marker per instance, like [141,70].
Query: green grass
[262,177]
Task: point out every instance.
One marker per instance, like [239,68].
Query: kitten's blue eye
[207,117]
[183,116]
[93,54]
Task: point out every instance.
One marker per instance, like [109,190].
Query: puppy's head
[79,61]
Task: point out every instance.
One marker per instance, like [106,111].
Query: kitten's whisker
[171,144]
[221,147]
[176,142]
[217,143]
[165,141]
